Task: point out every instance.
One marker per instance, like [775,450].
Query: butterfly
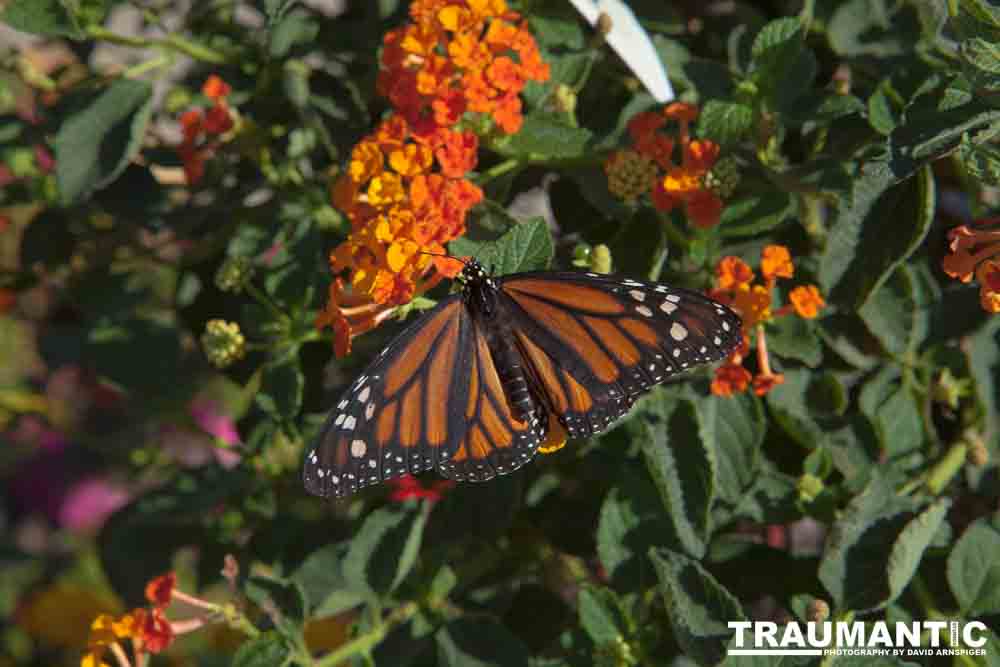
[473,388]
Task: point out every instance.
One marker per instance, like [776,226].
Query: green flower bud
[809,487]
[949,389]
[724,177]
[600,259]
[565,98]
[234,274]
[223,343]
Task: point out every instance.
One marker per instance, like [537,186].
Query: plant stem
[498,170]
[266,301]
[365,643]
[170,42]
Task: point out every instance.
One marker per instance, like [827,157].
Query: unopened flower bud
[234,274]
[724,177]
[949,389]
[223,342]
[565,98]
[630,175]
[600,259]
[809,487]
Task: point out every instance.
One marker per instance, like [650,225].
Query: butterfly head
[473,273]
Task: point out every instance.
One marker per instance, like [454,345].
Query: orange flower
[215,88]
[160,589]
[807,301]
[457,154]
[705,209]
[732,271]
[753,303]
[730,378]
[988,275]
[644,124]
[154,629]
[776,262]
[198,127]
[765,383]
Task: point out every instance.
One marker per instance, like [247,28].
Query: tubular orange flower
[160,589]
[776,262]
[199,127]
[972,249]
[732,271]
[730,378]
[807,301]
[988,275]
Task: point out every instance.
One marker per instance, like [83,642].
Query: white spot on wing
[358,448]
[643,310]
[638,295]
[349,423]
[365,393]
[673,297]
[678,331]
[668,307]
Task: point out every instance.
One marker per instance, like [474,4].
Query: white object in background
[632,43]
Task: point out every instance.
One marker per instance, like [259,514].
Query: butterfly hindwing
[404,414]
[597,342]
[495,441]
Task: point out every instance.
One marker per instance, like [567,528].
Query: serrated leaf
[982,54]
[908,550]
[736,427]
[682,464]
[600,615]
[893,315]
[795,338]
[479,642]
[630,522]
[699,607]
[983,11]
[266,650]
[982,161]
[775,40]
[51,18]
[724,122]
[543,138]
[384,550]
[873,235]
[755,214]
[974,569]
[526,246]
[95,144]
[282,387]
[854,568]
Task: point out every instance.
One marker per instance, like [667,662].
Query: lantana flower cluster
[202,127]
[737,287]
[458,56]
[404,190]
[975,251]
[148,629]
[699,183]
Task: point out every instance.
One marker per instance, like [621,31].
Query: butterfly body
[471,388]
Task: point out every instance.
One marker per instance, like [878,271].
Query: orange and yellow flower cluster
[458,56]
[973,252]
[149,630]
[404,189]
[201,126]
[735,286]
[649,166]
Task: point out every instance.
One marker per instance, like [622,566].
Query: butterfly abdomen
[513,376]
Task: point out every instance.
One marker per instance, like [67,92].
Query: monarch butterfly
[473,387]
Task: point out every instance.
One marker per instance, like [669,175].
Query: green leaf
[780,66]
[630,523]
[789,403]
[95,144]
[893,315]
[909,547]
[875,233]
[755,214]
[321,575]
[51,18]
[793,337]
[776,41]
[974,569]
[266,650]
[981,160]
[699,607]
[983,11]
[983,57]
[682,464]
[384,550]
[283,601]
[855,566]
[724,122]
[542,138]
[295,28]
[984,366]
[527,246]
[600,614]
[138,355]
[882,114]
[281,388]
[479,642]
[735,426]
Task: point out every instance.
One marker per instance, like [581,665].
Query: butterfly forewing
[595,343]
[404,414]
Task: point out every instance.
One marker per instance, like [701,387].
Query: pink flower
[222,427]
[89,502]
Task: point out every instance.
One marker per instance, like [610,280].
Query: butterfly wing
[495,441]
[405,413]
[595,343]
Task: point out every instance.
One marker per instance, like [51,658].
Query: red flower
[408,486]
[160,589]
[155,630]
